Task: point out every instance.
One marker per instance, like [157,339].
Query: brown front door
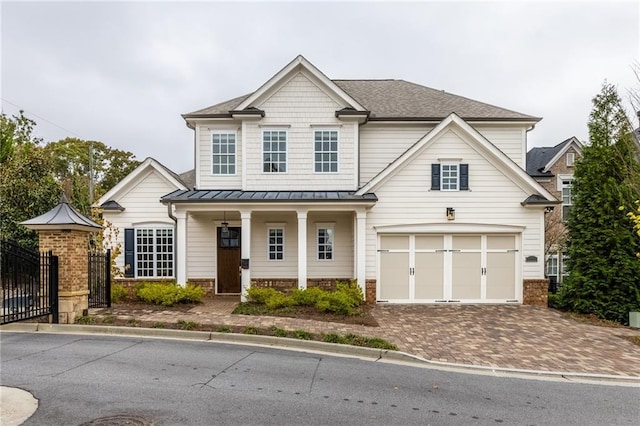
[229,261]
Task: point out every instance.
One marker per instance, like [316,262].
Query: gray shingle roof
[188,178]
[397,100]
[212,196]
[539,157]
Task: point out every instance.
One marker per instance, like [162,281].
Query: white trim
[274,126]
[485,148]
[302,249]
[243,138]
[449,228]
[122,186]
[573,141]
[314,152]
[356,155]
[245,252]
[294,66]
[196,152]
[333,245]
[284,244]
[329,126]
[154,260]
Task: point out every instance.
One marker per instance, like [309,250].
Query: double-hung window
[276,243]
[223,157]
[451,176]
[325,151]
[154,252]
[567,197]
[274,151]
[325,243]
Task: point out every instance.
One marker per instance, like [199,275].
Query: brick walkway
[521,337]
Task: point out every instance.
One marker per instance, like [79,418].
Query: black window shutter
[129,252]
[435,177]
[464,177]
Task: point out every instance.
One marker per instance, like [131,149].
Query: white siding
[509,139]
[142,206]
[201,247]
[261,267]
[342,264]
[493,198]
[298,106]
[381,144]
[207,179]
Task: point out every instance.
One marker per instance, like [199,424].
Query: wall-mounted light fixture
[451,213]
[225,224]
[548,209]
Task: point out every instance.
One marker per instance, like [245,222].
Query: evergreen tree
[604,272]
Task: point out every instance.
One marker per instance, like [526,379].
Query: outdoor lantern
[451,213]
[225,225]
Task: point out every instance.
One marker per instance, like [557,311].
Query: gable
[145,189]
[467,140]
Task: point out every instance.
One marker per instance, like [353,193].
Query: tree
[75,160]
[15,131]
[604,273]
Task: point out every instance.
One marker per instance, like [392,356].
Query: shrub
[352,291]
[167,294]
[85,320]
[158,325]
[223,329]
[279,300]
[118,293]
[261,294]
[332,338]
[306,297]
[302,335]
[250,330]
[336,302]
[278,332]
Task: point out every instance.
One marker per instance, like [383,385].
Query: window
[567,197]
[564,270]
[223,148]
[276,243]
[325,243]
[552,266]
[449,177]
[274,151]
[154,252]
[326,151]
[571,158]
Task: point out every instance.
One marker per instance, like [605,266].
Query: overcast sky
[122,73]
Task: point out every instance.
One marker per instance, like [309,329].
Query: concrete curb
[321,347]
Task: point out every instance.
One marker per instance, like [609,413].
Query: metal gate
[100,279]
[29,283]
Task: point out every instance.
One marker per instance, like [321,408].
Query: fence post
[107,265]
[53,287]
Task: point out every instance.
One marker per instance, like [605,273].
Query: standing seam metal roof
[266,196]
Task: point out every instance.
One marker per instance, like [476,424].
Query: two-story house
[553,168]
[418,194]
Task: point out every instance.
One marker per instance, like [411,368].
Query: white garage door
[424,268]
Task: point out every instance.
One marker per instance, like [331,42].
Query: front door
[229,260]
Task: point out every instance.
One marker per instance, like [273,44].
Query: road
[81,378]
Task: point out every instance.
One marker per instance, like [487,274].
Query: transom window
[274,151]
[154,252]
[325,151]
[276,243]
[449,177]
[223,147]
[325,243]
[567,197]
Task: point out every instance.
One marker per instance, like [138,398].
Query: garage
[464,268]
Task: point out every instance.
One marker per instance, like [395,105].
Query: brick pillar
[71,247]
[536,292]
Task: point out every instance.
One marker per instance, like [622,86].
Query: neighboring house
[553,168]
[418,194]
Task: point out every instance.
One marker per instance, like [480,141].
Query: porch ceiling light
[225,224]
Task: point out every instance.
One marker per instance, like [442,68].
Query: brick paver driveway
[513,336]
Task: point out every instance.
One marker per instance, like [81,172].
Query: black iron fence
[29,282]
[100,279]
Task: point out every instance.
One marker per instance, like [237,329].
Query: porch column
[302,249]
[245,252]
[361,250]
[181,248]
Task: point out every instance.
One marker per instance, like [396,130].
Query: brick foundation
[370,292]
[284,285]
[535,292]
[208,284]
[328,284]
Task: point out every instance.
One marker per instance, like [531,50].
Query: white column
[245,252]
[361,252]
[181,248]
[302,249]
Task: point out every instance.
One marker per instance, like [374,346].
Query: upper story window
[325,151]
[567,197]
[571,158]
[449,177]
[223,149]
[274,151]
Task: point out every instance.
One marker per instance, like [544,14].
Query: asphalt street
[83,379]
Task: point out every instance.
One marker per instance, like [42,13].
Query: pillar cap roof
[62,217]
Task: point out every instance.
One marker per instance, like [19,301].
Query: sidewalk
[496,336]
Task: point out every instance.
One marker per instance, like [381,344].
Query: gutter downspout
[175,236]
